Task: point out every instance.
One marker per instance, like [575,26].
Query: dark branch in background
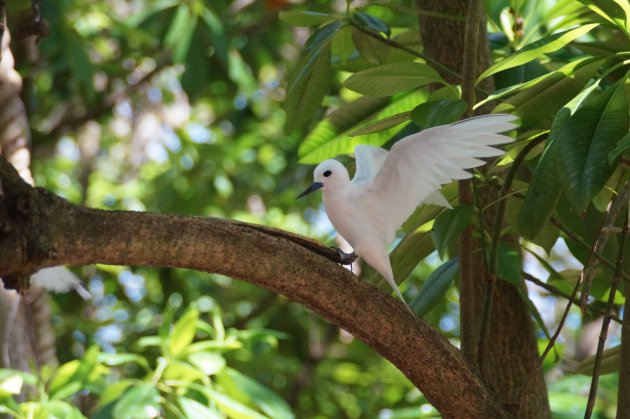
[559,293]
[45,230]
[468,317]
[588,272]
[609,220]
[496,237]
[603,335]
[71,122]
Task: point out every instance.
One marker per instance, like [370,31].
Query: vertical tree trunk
[512,350]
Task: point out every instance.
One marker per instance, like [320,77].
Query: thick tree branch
[43,230]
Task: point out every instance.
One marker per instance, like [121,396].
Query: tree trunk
[510,357]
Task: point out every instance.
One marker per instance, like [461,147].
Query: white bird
[388,186]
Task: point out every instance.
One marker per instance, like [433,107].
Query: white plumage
[388,186]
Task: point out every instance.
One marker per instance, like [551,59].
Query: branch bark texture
[39,229]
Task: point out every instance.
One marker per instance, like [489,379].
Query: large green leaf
[544,190]
[587,138]
[509,264]
[250,391]
[539,99]
[389,79]
[435,287]
[180,32]
[183,332]
[438,112]
[306,92]
[193,409]
[536,49]
[616,11]
[382,124]
[449,225]
[141,401]
[331,137]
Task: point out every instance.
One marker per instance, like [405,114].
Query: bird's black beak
[315,186]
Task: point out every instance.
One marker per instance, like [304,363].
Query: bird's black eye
[327,173]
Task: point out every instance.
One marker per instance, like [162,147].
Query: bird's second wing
[369,160]
[419,164]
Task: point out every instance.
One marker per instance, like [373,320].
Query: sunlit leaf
[183,332]
[382,124]
[180,32]
[435,287]
[536,49]
[246,389]
[208,362]
[389,79]
[141,401]
[232,408]
[193,409]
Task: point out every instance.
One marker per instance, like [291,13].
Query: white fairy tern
[388,186]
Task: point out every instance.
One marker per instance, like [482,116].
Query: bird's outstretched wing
[369,160]
[419,164]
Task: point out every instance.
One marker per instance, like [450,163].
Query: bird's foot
[345,258]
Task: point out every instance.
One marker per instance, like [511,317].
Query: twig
[586,278]
[72,122]
[603,335]
[559,293]
[405,48]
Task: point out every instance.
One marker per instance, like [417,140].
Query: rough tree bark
[39,229]
[512,351]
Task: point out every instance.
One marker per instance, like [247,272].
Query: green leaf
[435,287]
[611,362]
[113,359]
[439,112]
[71,376]
[414,247]
[10,383]
[304,18]
[232,408]
[250,391]
[372,50]
[330,137]
[536,49]
[142,401]
[180,32]
[193,409]
[389,79]
[622,147]
[585,142]
[342,45]
[382,124]
[449,225]
[307,90]
[322,37]
[371,22]
[509,264]
[616,11]
[151,9]
[183,332]
[538,100]
[544,190]
[114,390]
[208,362]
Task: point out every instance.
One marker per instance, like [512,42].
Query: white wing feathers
[369,160]
[419,164]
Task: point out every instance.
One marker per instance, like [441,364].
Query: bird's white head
[328,175]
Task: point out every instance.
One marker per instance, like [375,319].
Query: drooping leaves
[536,49]
[435,287]
[389,79]
[439,112]
[449,225]
[586,140]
